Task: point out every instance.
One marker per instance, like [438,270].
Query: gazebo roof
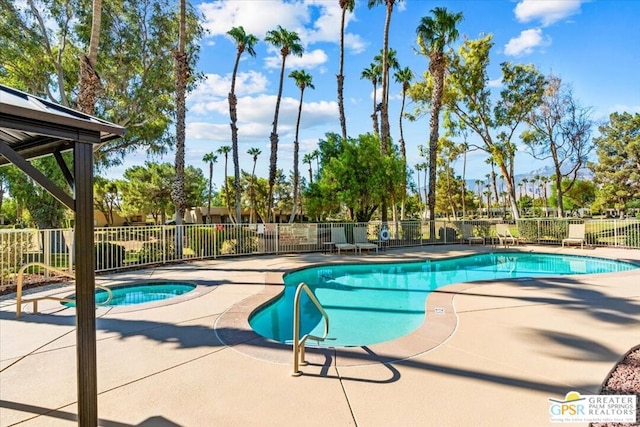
[35,127]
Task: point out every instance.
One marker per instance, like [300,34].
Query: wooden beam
[85,287]
[37,176]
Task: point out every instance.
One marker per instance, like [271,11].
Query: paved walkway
[190,362]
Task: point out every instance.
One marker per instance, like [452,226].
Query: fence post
[615,232]
[277,228]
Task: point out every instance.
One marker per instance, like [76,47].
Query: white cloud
[211,94]
[308,60]
[259,16]
[546,11]
[526,42]
[495,82]
[256,16]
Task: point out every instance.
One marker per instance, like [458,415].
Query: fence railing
[124,247]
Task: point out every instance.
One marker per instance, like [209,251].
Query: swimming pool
[373,303]
[138,293]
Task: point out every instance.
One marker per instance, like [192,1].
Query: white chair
[576,235]
[469,236]
[504,235]
[339,240]
[361,241]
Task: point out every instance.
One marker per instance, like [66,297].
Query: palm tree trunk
[210,191]
[273,160]
[340,78]
[296,147]
[89,80]
[233,113]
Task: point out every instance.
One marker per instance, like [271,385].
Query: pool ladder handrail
[20,281]
[298,343]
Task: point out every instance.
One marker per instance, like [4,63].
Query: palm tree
[182,75]
[225,150]
[384,107]
[345,5]
[89,79]
[289,44]
[373,75]
[463,148]
[316,155]
[403,77]
[303,80]
[308,158]
[244,42]
[478,183]
[418,168]
[434,34]
[211,159]
[254,153]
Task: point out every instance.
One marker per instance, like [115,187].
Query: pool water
[139,293]
[373,303]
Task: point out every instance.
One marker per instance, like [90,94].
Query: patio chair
[576,235]
[469,236]
[339,240]
[361,241]
[504,235]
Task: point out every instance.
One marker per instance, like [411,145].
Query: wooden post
[85,287]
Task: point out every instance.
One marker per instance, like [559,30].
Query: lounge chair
[504,235]
[361,241]
[339,240]
[576,235]
[469,236]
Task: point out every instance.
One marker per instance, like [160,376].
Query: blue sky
[591,45]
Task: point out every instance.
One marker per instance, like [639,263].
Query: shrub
[109,255]
[205,241]
[156,251]
[248,241]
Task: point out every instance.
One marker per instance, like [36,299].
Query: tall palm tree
[345,5]
[478,184]
[254,153]
[373,75]
[211,159]
[463,148]
[404,77]
[434,34]
[289,44]
[182,75]
[89,79]
[418,168]
[315,154]
[303,80]
[308,158]
[244,43]
[225,150]
[385,131]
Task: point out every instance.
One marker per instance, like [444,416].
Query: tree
[308,158]
[289,44]
[46,211]
[470,104]
[355,174]
[89,79]
[254,153]
[404,77]
[147,189]
[581,195]
[224,151]
[210,158]
[182,72]
[303,80]
[244,42]
[345,5]
[560,129]
[136,65]
[373,75]
[434,35]
[618,169]
[106,197]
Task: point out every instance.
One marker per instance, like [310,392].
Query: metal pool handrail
[298,343]
[20,280]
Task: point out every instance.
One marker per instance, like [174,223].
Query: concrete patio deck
[191,361]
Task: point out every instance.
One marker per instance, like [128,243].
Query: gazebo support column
[85,286]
